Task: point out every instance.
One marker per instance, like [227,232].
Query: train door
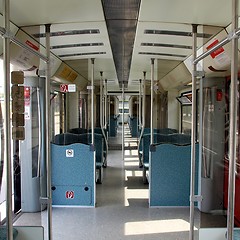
[58,113]
[213,141]
[2,162]
[33,177]
[226,157]
[83,113]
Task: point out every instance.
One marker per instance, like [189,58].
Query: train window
[186,118]
[35,131]
[82,113]
[185,100]
[58,112]
[2,159]
[125,110]
[2,180]
[227,125]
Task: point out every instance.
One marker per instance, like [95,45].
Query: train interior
[103,149]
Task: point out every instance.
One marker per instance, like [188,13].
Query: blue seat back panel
[73,169]
[170,171]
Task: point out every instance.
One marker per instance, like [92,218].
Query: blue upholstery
[175,138]
[84,138]
[73,174]
[170,171]
[167,130]
[113,126]
[99,131]
[78,130]
[236,234]
[66,138]
[133,125]
[161,131]
[99,146]
[3,233]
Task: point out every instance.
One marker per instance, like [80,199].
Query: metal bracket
[41,73]
[152,148]
[6,34]
[199,74]
[232,35]
[45,200]
[90,87]
[196,198]
[92,147]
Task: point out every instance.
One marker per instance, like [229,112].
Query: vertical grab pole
[144,101]
[105,104]
[101,114]
[193,133]
[92,102]
[123,97]
[152,79]
[233,125]
[109,112]
[143,114]
[48,133]
[140,103]
[200,132]
[7,132]
[101,100]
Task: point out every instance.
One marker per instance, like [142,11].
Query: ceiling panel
[175,34]
[35,12]
[156,15]
[204,12]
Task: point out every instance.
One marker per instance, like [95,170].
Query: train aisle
[122,210]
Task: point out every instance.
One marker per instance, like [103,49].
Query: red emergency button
[219,95]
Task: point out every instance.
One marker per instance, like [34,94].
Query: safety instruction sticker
[69,194]
[69,153]
[219,56]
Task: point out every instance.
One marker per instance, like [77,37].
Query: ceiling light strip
[67,33]
[165,45]
[176,33]
[77,45]
[162,54]
[81,54]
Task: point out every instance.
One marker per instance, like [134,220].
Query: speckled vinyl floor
[122,210]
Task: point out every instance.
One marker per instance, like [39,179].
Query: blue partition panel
[113,126]
[175,138]
[170,171]
[73,175]
[134,126]
[236,234]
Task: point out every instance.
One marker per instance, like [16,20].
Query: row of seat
[133,126]
[84,136]
[76,165]
[166,166]
[170,173]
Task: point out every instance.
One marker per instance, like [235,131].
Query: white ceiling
[158,15]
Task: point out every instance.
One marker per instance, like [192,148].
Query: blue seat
[85,138]
[3,233]
[175,138]
[170,171]
[78,130]
[66,138]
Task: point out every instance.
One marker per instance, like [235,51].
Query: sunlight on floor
[132,173]
[134,194]
[132,163]
[157,226]
[131,153]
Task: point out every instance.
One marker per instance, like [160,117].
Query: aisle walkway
[122,211]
